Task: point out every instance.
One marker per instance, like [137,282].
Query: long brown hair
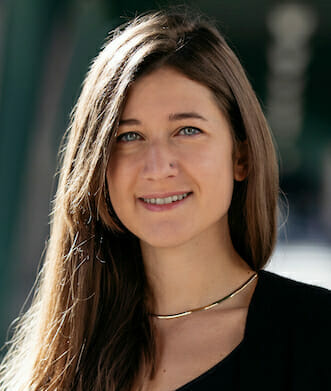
[88,327]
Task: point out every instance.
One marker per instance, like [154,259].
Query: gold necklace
[207,307]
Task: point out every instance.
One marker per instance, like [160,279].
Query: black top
[286,345]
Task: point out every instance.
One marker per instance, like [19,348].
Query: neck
[193,274]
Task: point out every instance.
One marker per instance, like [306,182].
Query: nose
[159,162]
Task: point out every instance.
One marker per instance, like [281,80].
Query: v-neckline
[236,350]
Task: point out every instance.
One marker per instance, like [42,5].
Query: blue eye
[128,137]
[189,131]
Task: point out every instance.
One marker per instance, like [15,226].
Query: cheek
[120,177]
[215,169]
[115,181]
[210,162]
[117,174]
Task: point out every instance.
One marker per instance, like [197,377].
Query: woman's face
[172,142]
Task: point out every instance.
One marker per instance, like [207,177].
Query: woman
[164,217]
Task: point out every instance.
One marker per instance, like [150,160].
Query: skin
[187,251]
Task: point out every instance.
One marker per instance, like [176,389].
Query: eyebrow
[172,117]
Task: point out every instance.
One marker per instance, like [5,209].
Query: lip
[164,207]
[164,195]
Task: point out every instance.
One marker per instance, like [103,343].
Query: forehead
[167,89]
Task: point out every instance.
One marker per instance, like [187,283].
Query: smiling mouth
[166,200]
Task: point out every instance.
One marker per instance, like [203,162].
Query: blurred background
[46,47]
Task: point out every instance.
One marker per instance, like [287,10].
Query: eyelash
[120,138]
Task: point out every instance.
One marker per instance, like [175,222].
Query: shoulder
[288,333]
[294,300]
[296,289]
[286,287]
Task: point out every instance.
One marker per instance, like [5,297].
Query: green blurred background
[46,47]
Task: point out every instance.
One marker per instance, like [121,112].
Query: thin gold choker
[207,307]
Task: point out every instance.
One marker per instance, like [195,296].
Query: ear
[240,164]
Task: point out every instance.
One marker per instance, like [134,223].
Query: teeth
[167,200]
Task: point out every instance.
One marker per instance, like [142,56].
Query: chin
[170,240]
